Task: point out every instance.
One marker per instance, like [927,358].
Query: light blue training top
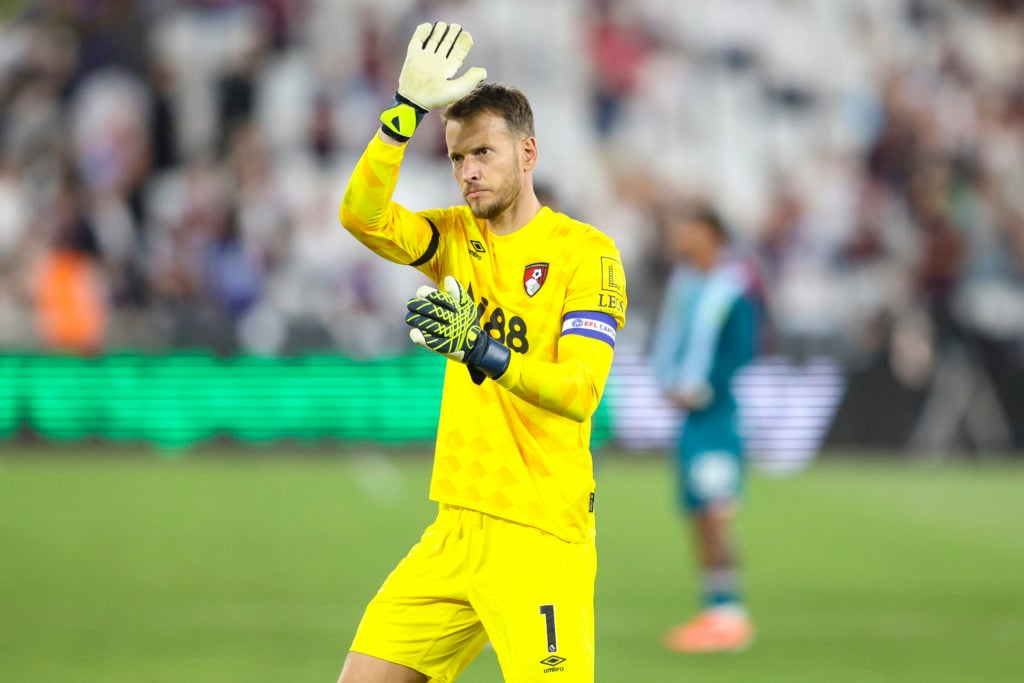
[706,330]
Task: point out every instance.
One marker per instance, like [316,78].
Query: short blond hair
[501,100]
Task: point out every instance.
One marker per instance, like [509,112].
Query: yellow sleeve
[571,386]
[389,229]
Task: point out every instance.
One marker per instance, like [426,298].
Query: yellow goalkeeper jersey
[554,293]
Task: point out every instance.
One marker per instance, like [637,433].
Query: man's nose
[470,170]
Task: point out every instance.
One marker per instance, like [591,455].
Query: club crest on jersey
[534,277]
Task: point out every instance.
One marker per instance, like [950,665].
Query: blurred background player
[706,332]
[511,556]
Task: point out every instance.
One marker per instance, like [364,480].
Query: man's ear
[528,150]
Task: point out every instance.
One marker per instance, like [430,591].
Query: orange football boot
[713,630]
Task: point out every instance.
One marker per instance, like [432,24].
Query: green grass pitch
[256,568]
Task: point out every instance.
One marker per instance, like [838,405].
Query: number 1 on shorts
[549,618]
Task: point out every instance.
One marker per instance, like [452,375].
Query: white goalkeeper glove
[435,54]
[448,322]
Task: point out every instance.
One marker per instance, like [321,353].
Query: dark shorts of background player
[711,466]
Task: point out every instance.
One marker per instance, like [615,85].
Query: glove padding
[448,323]
[435,54]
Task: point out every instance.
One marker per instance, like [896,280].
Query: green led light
[179,399]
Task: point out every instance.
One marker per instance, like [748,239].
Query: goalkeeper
[526,309]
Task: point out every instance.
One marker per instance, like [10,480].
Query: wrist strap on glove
[399,121]
[489,357]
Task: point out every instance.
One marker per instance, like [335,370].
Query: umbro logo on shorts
[553,664]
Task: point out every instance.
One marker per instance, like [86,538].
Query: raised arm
[389,229]
[435,54]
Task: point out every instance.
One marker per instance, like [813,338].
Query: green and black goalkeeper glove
[448,322]
[435,54]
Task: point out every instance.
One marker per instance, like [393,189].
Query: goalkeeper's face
[490,163]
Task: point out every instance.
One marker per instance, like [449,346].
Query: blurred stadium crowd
[170,169]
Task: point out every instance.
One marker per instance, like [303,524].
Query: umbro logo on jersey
[534,277]
[476,247]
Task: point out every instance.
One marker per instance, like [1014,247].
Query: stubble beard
[504,197]
[488,212]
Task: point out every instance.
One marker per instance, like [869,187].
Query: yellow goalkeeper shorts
[474,577]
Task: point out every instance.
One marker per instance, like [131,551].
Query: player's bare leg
[713,530]
[724,624]
[360,668]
